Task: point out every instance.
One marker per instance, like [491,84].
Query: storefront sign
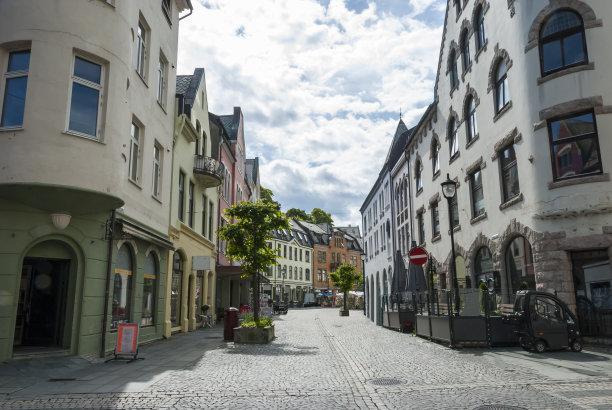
[127,339]
[200,263]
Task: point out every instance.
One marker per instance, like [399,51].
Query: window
[166,8]
[574,146]
[204,206]
[501,86]
[465,50]
[470,117]
[458,7]
[148,291]
[191,199]
[562,42]
[419,176]
[307,273]
[452,68]
[307,256]
[435,219]
[122,288]
[421,227]
[509,171]
[175,290]
[135,153]
[333,256]
[319,275]
[481,38]
[454,206]
[435,154]
[324,257]
[13,105]
[141,50]
[157,152]
[162,79]
[452,138]
[86,97]
[477,194]
[181,198]
[211,208]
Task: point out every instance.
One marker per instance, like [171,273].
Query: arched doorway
[379,311]
[463,279]
[483,270]
[366,295]
[46,297]
[372,309]
[176,290]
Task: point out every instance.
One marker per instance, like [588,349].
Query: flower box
[254,334]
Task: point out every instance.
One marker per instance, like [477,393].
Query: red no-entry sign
[418,256]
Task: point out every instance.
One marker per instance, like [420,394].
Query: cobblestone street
[320,360]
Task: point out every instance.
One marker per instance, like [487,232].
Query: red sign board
[418,256]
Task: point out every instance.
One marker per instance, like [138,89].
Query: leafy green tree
[319,216]
[298,214]
[345,278]
[251,225]
[266,195]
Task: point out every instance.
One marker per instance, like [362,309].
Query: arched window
[562,42]
[509,170]
[479,28]
[519,266]
[452,68]
[470,118]
[501,86]
[122,288]
[419,175]
[175,290]
[465,50]
[435,156]
[452,138]
[148,291]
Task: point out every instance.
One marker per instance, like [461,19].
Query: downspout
[109,265]
[409,192]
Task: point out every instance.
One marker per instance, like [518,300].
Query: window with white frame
[421,227]
[166,6]
[181,198]
[478,207]
[162,79]
[452,69]
[435,156]
[135,143]
[435,219]
[470,117]
[85,97]
[502,97]
[142,49]
[479,28]
[509,171]
[419,175]
[465,50]
[191,203]
[452,138]
[157,169]
[15,86]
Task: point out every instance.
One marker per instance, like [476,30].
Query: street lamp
[449,190]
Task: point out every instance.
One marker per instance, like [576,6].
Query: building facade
[196,174]
[90,105]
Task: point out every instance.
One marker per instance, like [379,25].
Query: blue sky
[321,84]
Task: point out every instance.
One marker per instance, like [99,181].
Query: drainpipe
[409,192]
[109,265]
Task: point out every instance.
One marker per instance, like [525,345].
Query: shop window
[122,288]
[176,289]
[574,146]
[16,83]
[562,42]
[519,266]
[148,291]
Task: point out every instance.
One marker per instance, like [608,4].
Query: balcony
[208,171]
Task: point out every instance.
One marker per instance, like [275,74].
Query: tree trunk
[345,299]
[256,297]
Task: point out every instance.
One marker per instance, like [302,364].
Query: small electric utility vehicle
[543,321]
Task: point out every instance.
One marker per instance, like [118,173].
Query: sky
[321,84]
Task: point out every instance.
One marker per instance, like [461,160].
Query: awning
[142,233]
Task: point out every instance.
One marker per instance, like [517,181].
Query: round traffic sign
[418,256]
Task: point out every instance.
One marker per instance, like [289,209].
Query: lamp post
[449,190]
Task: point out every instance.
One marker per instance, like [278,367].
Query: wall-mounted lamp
[60,221]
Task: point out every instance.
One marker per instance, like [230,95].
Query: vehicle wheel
[540,346]
[576,346]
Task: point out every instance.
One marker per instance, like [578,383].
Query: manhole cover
[386,382]
[498,407]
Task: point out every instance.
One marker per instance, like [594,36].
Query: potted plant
[251,331]
[345,278]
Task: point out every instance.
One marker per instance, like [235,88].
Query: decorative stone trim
[436,175]
[418,193]
[605,177]
[481,50]
[436,238]
[539,125]
[472,141]
[466,72]
[512,137]
[455,116]
[498,55]
[454,157]
[470,92]
[434,199]
[570,107]
[567,71]
[513,201]
[588,17]
[474,166]
[478,218]
[435,140]
[452,47]
[421,210]
[502,111]
[467,25]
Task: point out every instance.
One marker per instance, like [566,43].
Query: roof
[252,165]
[231,123]
[187,85]
[351,230]
[182,83]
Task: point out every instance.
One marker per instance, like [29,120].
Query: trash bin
[230,321]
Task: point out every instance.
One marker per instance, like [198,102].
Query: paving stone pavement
[320,360]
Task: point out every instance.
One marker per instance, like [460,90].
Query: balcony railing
[208,171]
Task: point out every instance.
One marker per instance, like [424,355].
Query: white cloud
[320,88]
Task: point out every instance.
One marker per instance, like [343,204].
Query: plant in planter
[251,331]
[345,278]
